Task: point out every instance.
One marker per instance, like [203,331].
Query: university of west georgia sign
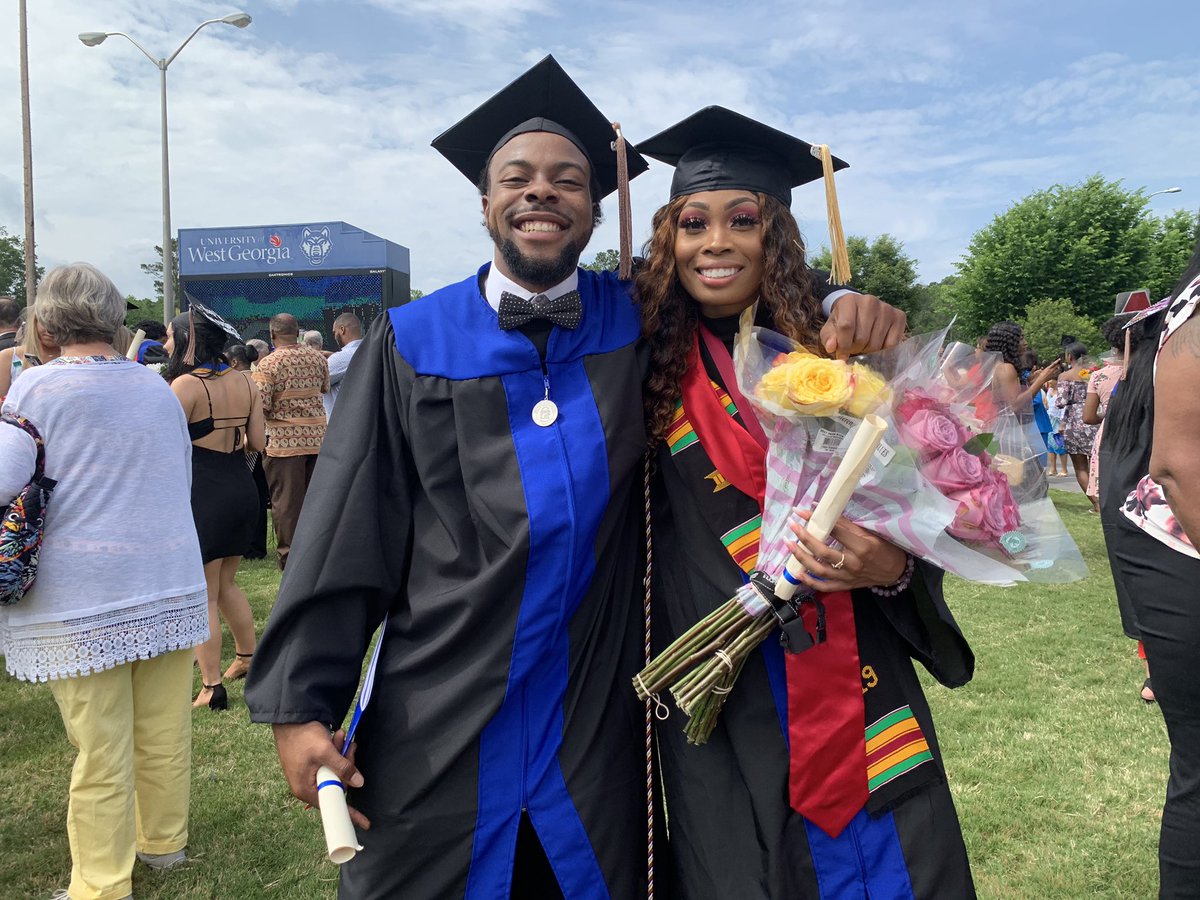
[315,246]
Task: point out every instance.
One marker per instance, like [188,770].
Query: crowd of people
[115,616]
[1106,413]
[506,454]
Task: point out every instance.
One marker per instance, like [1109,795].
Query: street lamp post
[1170,190]
[94,38]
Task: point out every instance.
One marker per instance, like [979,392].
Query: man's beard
[537,272]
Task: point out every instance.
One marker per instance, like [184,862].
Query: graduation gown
[733,832]
[508,558]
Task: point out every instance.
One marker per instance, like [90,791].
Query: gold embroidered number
[870,679]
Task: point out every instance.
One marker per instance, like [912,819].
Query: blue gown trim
[566,495]
[864,862]
[453,333]
[772,652]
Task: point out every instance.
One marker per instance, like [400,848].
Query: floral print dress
[1101,384]
[1147,506]
[1077,437]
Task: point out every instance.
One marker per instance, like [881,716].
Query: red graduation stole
[827,781]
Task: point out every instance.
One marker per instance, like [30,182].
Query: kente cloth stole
[834,772]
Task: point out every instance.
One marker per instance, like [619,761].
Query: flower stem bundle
[701,666]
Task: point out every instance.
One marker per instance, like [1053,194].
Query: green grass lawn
[1057,767]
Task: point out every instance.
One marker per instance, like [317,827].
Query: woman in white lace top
[115,610]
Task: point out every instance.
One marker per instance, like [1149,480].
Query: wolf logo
[315,245]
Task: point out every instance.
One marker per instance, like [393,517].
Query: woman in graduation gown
[840,732]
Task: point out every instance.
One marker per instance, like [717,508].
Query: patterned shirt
[291,381]
[1147,506]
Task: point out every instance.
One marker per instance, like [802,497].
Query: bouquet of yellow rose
[702,665]
[811,385]
[929,485]
[955,480]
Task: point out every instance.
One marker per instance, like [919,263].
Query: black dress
[1122,472]
[224,499]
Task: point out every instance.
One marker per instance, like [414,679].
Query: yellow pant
[132,726]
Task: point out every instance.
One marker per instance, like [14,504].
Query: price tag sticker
[827,441]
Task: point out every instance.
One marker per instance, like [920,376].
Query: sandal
[238,668]
[1146,687]
[218,697]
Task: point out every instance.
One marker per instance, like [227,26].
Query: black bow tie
[565,311]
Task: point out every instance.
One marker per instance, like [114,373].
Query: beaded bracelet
[900,585]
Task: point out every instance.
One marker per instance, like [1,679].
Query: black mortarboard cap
[718,149]
[543,99]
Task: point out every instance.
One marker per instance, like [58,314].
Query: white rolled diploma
[833,502]
[135,345]
[340,839]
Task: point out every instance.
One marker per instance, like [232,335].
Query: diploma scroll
[135,345]
[833,502]
[340,839]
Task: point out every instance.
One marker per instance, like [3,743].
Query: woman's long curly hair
[1005,338]
[670,315]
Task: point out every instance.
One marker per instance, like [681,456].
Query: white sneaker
[163,861]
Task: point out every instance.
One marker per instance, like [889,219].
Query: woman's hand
[866,560]
[1053,370]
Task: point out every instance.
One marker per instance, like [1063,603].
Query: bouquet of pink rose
[953,481]
[956,480]
[956,461]
[1004,512]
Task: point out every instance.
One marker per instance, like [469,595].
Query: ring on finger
[841,562]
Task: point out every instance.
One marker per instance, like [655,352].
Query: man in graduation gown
[505,549]
[483,490]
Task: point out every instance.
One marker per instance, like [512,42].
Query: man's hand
[304,748]
[862,323]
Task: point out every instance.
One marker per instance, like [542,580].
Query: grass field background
[1057,767]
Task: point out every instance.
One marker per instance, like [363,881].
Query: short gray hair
[314,339]
[10,312]
[77,303]
[350,322]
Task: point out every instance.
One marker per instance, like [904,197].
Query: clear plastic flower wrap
[957,479]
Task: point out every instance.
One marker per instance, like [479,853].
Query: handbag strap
[39,466]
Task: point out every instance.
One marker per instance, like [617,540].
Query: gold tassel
[624,210]
[1125,360]
[839,272]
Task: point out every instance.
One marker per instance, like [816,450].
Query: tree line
[1053,261]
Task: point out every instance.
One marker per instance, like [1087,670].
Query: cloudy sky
[324,110]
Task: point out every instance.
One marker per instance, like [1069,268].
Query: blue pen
[364,696]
